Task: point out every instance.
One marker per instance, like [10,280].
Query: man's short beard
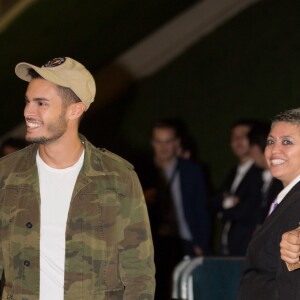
[57,128]
[43,140]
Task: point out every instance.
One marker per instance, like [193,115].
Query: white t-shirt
[56,188]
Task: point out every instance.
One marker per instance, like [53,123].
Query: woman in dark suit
[265,275]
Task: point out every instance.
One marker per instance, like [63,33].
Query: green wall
[248,68]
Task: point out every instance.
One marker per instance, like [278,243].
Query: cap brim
[22,68]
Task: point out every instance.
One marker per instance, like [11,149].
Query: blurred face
[258,156]
[283,151]
[44,113]
[165,144]
[239,141]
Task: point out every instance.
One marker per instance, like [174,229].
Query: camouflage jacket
[109,252]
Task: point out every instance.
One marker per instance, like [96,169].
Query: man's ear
[178,141]
[77,109]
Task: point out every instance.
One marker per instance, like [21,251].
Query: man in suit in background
[176,195]
[271,186]
[239,199]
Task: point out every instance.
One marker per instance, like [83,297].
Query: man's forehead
[164,132]
[243,129]
[39,88]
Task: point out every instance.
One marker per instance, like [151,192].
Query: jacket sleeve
[273,282]
[250,198]
[265,275]
[1,261]
[136,258]
[1,240]
[197,212]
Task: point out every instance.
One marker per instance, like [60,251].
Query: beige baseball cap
[66,72]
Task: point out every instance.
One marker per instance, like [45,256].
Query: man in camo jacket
[74,224]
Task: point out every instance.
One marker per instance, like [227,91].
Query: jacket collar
[92,166]
[291,197]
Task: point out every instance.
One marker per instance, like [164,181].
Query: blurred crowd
[187,216]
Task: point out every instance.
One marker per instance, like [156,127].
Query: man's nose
[28,110]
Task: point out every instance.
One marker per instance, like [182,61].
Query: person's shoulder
[255,169]
[113,158]
[108,160]
[190,164]
[14,157]
[18,161]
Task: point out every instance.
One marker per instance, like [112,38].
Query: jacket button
[26,263]
[29,225]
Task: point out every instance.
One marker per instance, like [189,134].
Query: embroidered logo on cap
[55,62]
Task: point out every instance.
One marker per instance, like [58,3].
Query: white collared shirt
[267,178]
[284,192]
[241,171]
[175,188]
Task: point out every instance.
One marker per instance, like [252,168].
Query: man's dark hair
[258,135]
[178,125]
[244,122]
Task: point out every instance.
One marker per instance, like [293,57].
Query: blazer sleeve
[265,275]
[250,197]
[195,203]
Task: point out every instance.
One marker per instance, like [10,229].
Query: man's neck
[61,155]
[244,160]
[165,164]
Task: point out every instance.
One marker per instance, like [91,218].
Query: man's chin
[35,140]
[43,140]
[39,140]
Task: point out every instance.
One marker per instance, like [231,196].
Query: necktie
[272,207]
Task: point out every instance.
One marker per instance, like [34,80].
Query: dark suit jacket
[269,196]
[194,200]
[245,215]
[265,275]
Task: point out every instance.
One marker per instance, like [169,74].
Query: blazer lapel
[292,196]
[244,180]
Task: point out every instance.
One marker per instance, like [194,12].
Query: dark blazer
[245,215]
[269,196]
[194,193]
[265,275]
[195,201]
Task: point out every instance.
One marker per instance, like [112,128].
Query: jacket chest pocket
[20,211]
[94,216]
